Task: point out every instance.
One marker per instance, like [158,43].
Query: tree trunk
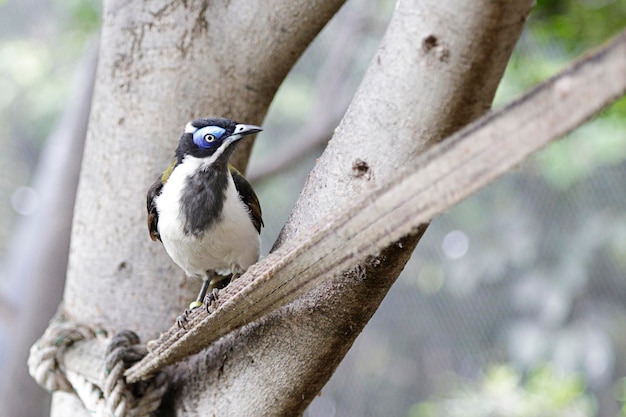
[426,81]
[162,64]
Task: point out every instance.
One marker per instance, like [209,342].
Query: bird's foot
[211,298]
[183,319]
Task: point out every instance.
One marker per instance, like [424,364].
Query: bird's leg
[217,283]
[220,281]
[206,283]
[181,320]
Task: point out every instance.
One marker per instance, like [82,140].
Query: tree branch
[443,176]
[330,101]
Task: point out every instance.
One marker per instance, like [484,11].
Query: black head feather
[187,146]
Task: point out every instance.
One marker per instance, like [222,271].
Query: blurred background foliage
[41,42]
[513,303]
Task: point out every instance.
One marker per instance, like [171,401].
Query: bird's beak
[242,130]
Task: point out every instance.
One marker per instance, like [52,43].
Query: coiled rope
[108,395]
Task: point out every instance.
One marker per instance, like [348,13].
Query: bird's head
[212,139]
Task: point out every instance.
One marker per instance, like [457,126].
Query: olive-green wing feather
[249,198]
[153,192]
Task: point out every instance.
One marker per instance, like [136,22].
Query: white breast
[230,245]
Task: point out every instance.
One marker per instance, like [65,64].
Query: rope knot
[45,355]
[106,393]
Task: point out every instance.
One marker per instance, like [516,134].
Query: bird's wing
[249,198]
[153,192]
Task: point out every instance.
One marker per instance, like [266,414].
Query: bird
[203,210]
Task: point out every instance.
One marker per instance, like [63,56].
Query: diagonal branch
[444,175]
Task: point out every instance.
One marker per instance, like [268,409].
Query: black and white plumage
[202,209]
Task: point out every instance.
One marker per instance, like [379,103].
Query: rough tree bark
[160,64]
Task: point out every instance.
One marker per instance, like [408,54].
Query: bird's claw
[211,298]
[182,320]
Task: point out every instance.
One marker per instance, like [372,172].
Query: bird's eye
[207,137]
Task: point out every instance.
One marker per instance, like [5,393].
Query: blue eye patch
[208,136]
